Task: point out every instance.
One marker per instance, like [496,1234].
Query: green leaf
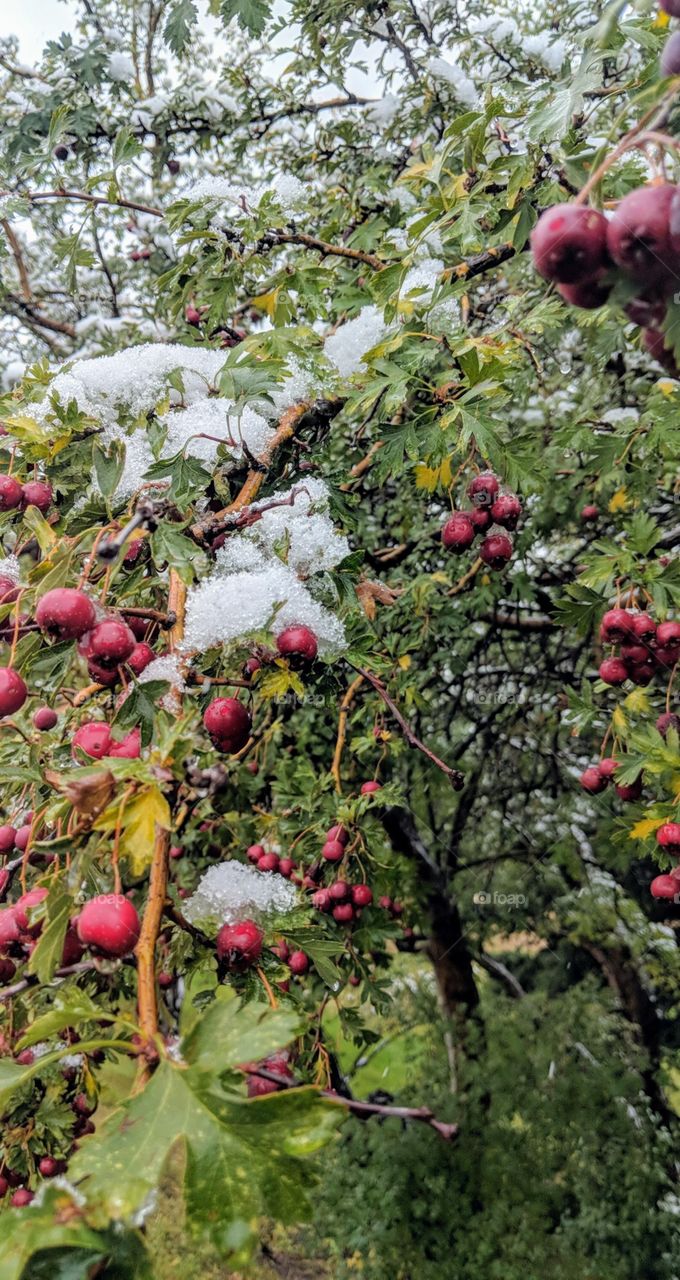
[109,465]
[46,957]
[252,15]
[140,707]
[179,25]
[229,1034]
[55,1240]
[169,546]
[70,1010]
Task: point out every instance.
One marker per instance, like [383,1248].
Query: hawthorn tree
[316,489]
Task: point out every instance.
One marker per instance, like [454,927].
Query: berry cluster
[257,854]
[584,252]
[34,493]
[491,513]
[645,647]
[108,925]
[597,777]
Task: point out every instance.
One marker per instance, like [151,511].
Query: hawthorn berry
[506,510]
[24,904]
[239,945]
[37,493]
[268,862]
[22,836]
[362,895]
[7,837]
[587,294]
[228,723]
[343,913]
[10,493]
[339,890]
[665,886]
[254,852]
[9,928]
[44,719]
[669,62]
[8,590]
[613,671]
[635,655]
[140,658]
[616,626]
[641,673]
[479,517]
[589,513]
[109,924]
[638,232]
[569,243]
[668,836]
[458,534]
[286,867]
[333,851]
[483,489]
[592,780]
[496,550]
[644,627]
[298,643]
[629,790]
[21,1197]
[321,900]
[48,1166]
[94,738]
[655,342]
[608,767]
[13,691]
[277,1065]
[339,833]
[133,551]
[65,613]
[111,643]
[298,962]
[668,635]
[665,659]
[669,720]
[368,788]
[129,747]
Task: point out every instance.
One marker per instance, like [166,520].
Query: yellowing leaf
[405,661]
[637,701]
[267,302]
[665,385]
[44,533]
[619,501]
[675,786]
[429,477]
[619,719]
[138,820]
[276,684]
[661,20]
[644,828]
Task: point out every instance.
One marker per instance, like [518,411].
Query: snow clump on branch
[232,891]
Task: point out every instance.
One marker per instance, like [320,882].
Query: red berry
[268,862]
[10,493]
[608,767]
[321,900]
[506,510]
[22,836]
[638,233]
[37,493]
[668,635]
[668,836]
[569,243]
[635,655]
[589,512]
[8,590]
[286,867]
[45,719]
[339,891]
[339,833]
[7,837]
[298,962]
[496,550]
[592,781]
[613,671]
[133,551]
[588,294]
[65,614]
[385,902]
[111,643]
[459,532]
[641,673]
[9,929]
[239,945]
[333,851]
[109,924]
[192,315]
[277,1065]
[630,790]
[22,1196]
[665,887]
[72,951]
[13,691]
[479,517]
[367,788]
[665,659]
[94,738]
[26,1058]
[616,626]
[48,1166]
[176,851]
[141,656]
[362,895]
[483,489]
[82,1106]
[644,627]
[255,852]
[24,904]
[669,720]
[228,723]
[343,913]
[669,62]
[298,643]
[129,747]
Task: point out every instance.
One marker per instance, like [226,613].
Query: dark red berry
[298,643]
[111,643]
[37,493]
[333,851]
[483,489]
[668,635]
[45,719]
[22,1196]
[608,767]
[496,550]
[228,723]
[362,895]
[298,962]
[613,671]
[65,614]
[506,510]
[616,625]
[569,243]
[10,493]
[638,233]
[13,691]
[268,862]
[665,887]
[668,836]
[255,852]
[589,513]
[458,533]
[109,924]
[239,945]
[140,658]
[630,790]
[339,833]
[587,294]
[592,781]
[669,720]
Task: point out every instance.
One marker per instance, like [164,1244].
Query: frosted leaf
[464,88]
[422,278]
[349,344]
[233,891]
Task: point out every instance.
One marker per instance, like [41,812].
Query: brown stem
[454,775]
[342,729]
[328,250]
[87,198]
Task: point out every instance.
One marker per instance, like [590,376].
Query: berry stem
[342,730]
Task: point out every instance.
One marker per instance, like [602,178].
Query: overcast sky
[34,22]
